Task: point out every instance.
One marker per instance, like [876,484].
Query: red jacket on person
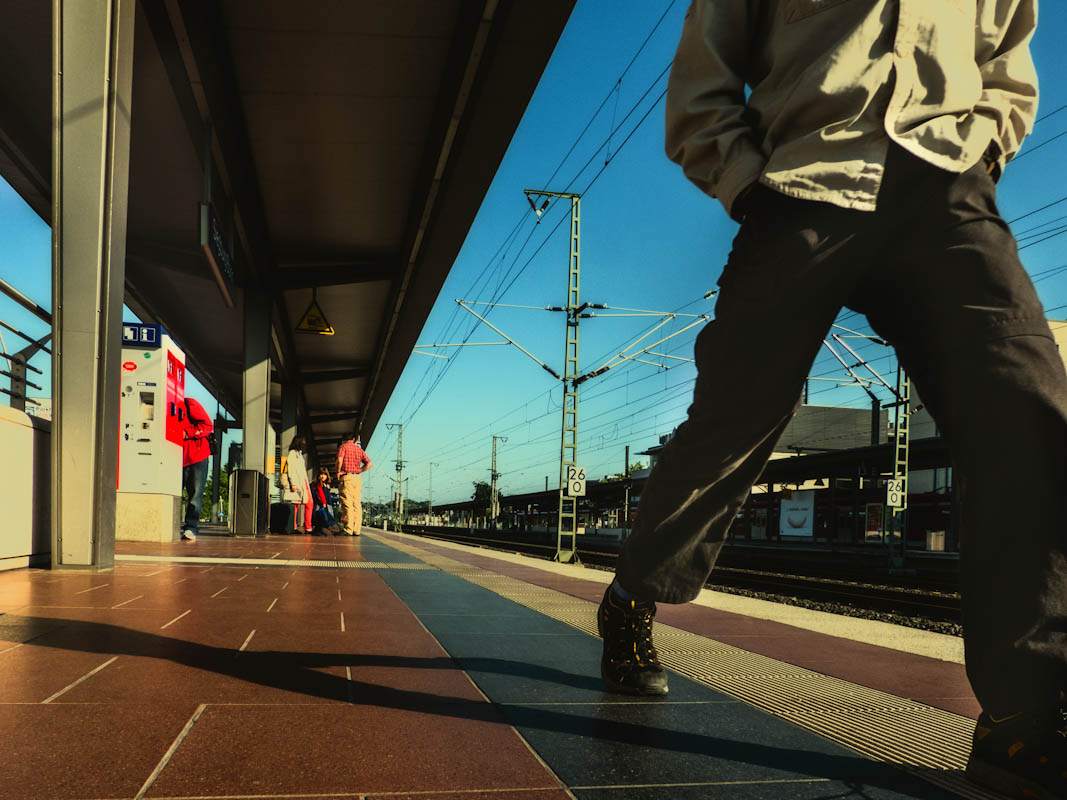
[196,425]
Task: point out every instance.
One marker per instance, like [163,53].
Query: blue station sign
[139,334]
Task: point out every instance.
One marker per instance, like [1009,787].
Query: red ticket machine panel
[175,399]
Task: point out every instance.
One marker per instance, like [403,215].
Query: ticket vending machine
[151,413]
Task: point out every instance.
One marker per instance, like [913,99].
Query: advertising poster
[797,515]
[874,522]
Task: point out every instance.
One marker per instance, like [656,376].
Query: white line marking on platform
[220,591]
[342,621]
[170,752]
[177,618]
[150,574]
[208,569]
[12,647]
[338,594]
[348,674]
[80,680]
[272,602]
[277,554]
[93,588]
[242,577]
[124,602]
[180,581]
[284,585]
[242,647]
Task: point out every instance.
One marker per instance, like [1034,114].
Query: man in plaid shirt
[351,462]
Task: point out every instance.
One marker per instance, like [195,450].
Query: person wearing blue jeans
[194,479]
[196,455]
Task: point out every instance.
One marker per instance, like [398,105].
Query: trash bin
[249,487]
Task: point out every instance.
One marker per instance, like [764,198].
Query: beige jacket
[834,81]
[296,477]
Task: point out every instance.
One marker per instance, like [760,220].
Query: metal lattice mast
[397,495]
[567,519]
[494,489]
[896,511]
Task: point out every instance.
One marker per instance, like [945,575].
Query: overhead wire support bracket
[861,362]
[855,377]
[543,365]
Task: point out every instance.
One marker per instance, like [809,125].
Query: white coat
[296,479]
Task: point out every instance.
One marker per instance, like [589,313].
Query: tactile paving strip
[237,561]
[927,742]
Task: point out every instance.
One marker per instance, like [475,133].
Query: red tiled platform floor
[233,681]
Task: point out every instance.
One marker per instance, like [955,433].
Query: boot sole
[639,691]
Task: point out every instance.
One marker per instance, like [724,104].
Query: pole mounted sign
[894,494]
[575,481]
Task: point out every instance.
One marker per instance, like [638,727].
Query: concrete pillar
[92,76]
[256,404]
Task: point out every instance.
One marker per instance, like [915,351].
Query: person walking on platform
[197,430]
[352,461]
[862,169]
[297,486]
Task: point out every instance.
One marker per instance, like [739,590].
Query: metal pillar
[256,383]
[429,503]
[216,469]
[92,76]
[494,489]
[398,503]
[901,414]
[567,518]
[289,427]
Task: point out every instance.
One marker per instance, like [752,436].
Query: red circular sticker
[129,366]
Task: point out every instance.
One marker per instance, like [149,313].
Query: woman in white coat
[297,487]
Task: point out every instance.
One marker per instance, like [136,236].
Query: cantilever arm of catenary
[543,365]
[622,356]
[855,377]
[866,366]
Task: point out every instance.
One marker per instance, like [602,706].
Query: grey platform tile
[672,743]
[374,551]
[539,668]
[888,785]
[518,621]
[444,594]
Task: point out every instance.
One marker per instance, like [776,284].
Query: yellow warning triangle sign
[314,321]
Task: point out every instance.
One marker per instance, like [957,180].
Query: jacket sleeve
[708,131]
[1009,79]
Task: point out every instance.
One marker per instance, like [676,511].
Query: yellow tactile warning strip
[924,741]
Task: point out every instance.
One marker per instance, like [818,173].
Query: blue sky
[650,240]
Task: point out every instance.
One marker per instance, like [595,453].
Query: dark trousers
[194,479]
[937,273]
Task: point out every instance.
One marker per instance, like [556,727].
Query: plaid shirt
[352,458]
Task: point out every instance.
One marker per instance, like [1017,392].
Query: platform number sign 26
[575,481]
[894,494]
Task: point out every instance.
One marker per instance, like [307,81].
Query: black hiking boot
[630,664]
[1023,755]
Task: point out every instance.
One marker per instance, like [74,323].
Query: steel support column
[216,471]
[92,76]
[289,405]
[256,384]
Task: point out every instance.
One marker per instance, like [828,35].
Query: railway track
[910,602]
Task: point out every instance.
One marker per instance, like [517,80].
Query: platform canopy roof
[344,147]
